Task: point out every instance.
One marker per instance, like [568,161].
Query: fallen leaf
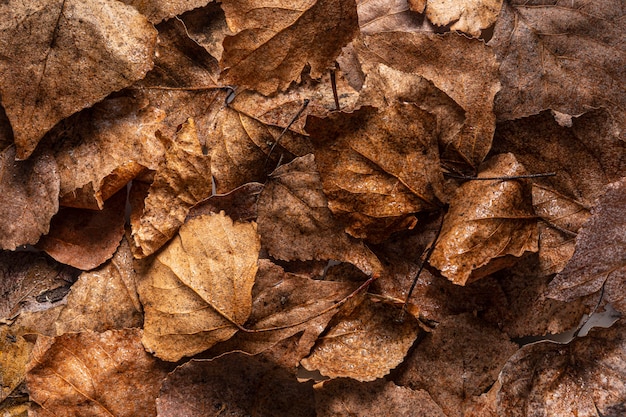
[240,204]
[207,27]
[63,56]
[273,44]
[158,10]
[585,377]
[296,224]
[86,238]
[29,193]
[15,354]
[561,57]
[103,299]
[95,374]
[180,182]
[196,289]
[373,169]
[386,16]
[459,360]
[488,222]
[364,344]
[380,398]
[598,261]
[234,385]
[467,16]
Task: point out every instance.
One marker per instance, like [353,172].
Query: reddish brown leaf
[94,374]
[29,193]
[273,44]
[85,238]
[488,222]
[63,56]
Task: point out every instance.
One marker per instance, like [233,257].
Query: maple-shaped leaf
[488,222]
[296,224]
[600,252]
[234,385]
[180,182]
[364,344]
[29,197]
[387,15]
[199,286]
[88,374]
[467,16]
[158,10]
[61,56]
[586,377]
[374,170]
[274,42]
[561,56]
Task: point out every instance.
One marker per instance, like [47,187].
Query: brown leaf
[207,27]
[600,252]
[29,193]
[467,16]
[373,169]
[386,16]
[235,385]
[85,238]
[180,182]
[94,374]
[488,223]
[469,78]
[102,148]
[560,57]
[240,204]
[15,354]
[63,56]
[460,359]
[198,286]
[364,344]
[380,398]
[296,224]
[273,44]
[158,10]
[103,299]
[586,377]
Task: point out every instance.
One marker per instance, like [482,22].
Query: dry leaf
[467,16]
[94,374]
[460,359]
[64,55]
[15,352]
[198,286]
[600,251]
[158,10]
[560,56]
[240,204]
[180,182]
[487,223]
[207,27]
[234,385]
[387,16]
[29,193]
[85,238]
[585,378]
[364,344]
[380,398]
[296,224]
[373,169]
[103,299]
[273,43]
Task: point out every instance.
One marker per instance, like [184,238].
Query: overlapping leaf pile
[215,198]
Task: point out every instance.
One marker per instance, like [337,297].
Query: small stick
[333,84]
[305,103]
[514,177]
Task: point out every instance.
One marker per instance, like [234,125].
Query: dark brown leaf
[240,204]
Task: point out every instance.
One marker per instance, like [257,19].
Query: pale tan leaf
[15,355]
[158,10]
[387,16]
[467,16]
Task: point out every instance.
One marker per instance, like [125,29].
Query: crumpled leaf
[61,56]
[488,222]
[386,16]
[459,360]
[586,377]
[273,43]
[198,286]
[600,252]
[234,385]
[560,56]
[346,398]
[467,16]
[158,10]
[470,78]
[374,170]
[14,356]
[102,148]
[364,344]
[29,193]
[94,374]
[103,299]
[296,224]
[240,204]
[85,238]
[182,181]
